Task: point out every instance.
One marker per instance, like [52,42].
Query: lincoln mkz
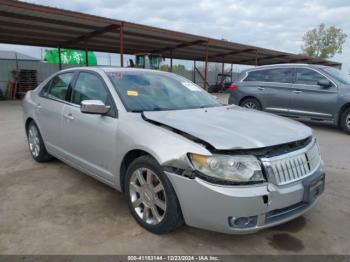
[176,152]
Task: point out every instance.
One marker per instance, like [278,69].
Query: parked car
[174,150]
[304,92]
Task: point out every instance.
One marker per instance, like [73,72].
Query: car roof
[111,69]
[291,65]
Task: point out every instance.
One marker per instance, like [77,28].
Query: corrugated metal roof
[53,27]
[11,55]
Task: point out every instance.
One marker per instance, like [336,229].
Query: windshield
[338,75]
[154,91]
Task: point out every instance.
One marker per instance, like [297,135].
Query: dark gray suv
[301,91]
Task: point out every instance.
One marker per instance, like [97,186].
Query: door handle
[261,88]
[297,91]
[69,116]
[37,107]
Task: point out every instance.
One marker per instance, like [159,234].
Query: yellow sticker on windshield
[132,93]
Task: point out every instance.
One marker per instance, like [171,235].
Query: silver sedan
[177,153]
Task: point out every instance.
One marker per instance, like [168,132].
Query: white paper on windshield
[191,86]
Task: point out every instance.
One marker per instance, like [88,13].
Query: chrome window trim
[259,69]
[298,67]
[70,103]
[47,96]
[113,105]
[303,67]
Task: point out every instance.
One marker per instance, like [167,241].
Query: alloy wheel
[347,120]
[250,105]
[34,140]
[147,196]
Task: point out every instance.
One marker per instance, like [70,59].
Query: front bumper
[211,207]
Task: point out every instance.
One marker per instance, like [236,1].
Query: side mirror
[94,107]
[324,83]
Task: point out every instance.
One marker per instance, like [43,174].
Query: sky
[274,24]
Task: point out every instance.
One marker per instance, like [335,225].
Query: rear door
[90,139]
[49,108]
[273,88]
[309,100]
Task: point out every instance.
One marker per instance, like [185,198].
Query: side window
[89,87]
[307,77]
[259,75]
[59,86]
[45,89]
[280,75]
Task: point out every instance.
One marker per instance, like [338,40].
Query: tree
[164,68]
[323,42]
[176,68]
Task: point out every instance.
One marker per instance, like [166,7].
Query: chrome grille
[291,167]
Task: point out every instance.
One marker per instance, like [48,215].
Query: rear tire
[251,103]
[345,121]
[151,198]
[36,144]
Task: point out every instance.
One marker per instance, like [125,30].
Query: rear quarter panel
[245,90]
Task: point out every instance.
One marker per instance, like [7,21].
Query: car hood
[232,127]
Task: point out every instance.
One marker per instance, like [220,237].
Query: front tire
[251,103]
[345,121]
[36,144]
[151,197]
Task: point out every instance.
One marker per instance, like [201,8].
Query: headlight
[229,168]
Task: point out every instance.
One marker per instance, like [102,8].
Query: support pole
[223,65]
[86,57]
[222,73]
[59,59]
[231,72]
[206,67]
[194,71]
[16,56]
[121,41]
[171,60]
[256,58]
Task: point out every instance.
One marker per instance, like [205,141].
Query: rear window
[278,75]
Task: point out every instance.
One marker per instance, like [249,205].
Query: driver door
[90,139]
[311,100]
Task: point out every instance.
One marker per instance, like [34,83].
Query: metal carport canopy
[37,25]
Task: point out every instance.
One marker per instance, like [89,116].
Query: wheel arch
[28,120]
[342,109]
[128,158]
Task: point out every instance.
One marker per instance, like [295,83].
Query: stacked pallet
[24,80]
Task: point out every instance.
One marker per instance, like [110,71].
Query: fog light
[243,222]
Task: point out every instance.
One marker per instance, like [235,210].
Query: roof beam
[181,45]
[39,28]
[300,60]
[247,50]
[46,20]
[92,34]
[264,58]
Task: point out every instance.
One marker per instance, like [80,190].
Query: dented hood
[232,127]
